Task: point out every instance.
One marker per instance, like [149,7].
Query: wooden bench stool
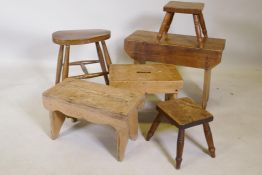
[184,113]
[147,78]
[66,38]
[188,8]
[95,103]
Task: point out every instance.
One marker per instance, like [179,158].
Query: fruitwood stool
[66,38]
[147,78]
[95,103]
[188,8]
[184,113]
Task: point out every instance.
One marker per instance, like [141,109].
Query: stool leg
[180,147]
[56,119]
[107,56]
[198,30]
[66,63]
[165,25]
[59,64]
[133,125]
[203,24]
[122,139]
[153,127]
[206,88]
[102,62]
[209,139]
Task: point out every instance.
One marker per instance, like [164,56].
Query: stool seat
[184,113]
[95,103]
[184,7]
[77,37]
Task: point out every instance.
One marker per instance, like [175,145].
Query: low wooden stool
[66,38]
[95,103]
[147,78]
[184,113]
[188,8]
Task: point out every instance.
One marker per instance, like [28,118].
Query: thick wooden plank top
[184,112]
[174,49]
[75,37]
[150,78]
[184,7]
[95,97]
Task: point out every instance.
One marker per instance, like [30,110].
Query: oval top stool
[66,38]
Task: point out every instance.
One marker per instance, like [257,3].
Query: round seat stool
[66,38]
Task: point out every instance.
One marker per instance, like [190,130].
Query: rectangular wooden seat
[95,103]
[175,49]
[184,7]
[146,78]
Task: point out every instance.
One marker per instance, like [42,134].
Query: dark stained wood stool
[184,113]
[67,38]
[188,8]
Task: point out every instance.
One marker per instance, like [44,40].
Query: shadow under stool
[183,113]
[66,38]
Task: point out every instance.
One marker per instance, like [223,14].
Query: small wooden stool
[188,8]
[95,103]
[67,38]
[147,78]
[184,113]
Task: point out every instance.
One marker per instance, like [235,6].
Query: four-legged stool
[95,103]
[67,38]
[184,113]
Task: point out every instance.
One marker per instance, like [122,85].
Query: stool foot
[209,139]
[153,127]
[57,119]
[180,146]
[122,139]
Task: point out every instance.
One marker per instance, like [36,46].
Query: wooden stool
[184,113]
[67,38]
[188,8]
[147,78]
[95,103]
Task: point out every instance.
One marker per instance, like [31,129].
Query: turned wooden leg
[203,24]
[206,88]
[198,30]
[122,139]
[56,120]
[209,138]
[170,96]
[102,62]
[153,127]
[133,125]
[59,64]
[180,146]
[107,56]
[66,63]
[165,25]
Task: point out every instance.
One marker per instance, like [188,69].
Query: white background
[27,68]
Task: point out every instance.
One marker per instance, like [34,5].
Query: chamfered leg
[56,120]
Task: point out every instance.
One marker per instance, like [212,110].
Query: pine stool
[188,8]
[147,78]
[184,113]
[95,103]
[66,38]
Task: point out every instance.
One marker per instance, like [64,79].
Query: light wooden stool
[66,38]
[95,103]
[184,113]
[147,78]
[188,8]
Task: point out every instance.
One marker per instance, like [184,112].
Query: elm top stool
[66,38]
[147,78]
[184,113]
[95,103]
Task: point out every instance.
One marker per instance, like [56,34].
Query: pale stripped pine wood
[98,104]
[146,78]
